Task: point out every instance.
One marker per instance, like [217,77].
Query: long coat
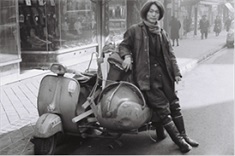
[218,25]
[175,27]
[136,44]
[204,25]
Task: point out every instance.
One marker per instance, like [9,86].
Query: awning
[211,2]
[207,2]
[230,7]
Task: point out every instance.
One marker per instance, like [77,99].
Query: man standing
[175,27]
[204,26]
[218,25]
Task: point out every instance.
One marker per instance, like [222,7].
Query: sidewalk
[18,100]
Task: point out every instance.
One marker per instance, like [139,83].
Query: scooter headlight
[58,69]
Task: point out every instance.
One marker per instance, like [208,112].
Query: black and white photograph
[117,77]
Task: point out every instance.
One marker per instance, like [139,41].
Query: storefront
[65,30]
[36,33]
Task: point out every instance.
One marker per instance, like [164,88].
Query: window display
[48,25]
[117,18]
[78,23]
[8,31]
[37,21]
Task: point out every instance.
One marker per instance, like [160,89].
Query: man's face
[153,14]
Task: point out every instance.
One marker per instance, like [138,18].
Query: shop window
[38,23]
[8,31]
[78,23]
[48,25]
[117,18]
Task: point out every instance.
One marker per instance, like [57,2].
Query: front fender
[47,125]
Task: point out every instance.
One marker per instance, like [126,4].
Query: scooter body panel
[47,125]
[59,95]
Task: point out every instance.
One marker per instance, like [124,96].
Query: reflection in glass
[78,23]
[117,18]
[8,31]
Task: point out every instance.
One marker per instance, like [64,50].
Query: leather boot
[179,123]
[159,130]
[177,138]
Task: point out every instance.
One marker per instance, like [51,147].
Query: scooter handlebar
[58,68]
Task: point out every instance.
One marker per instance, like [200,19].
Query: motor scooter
[80,106]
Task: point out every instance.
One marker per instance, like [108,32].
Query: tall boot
[179,123]
[159,130]
[176,137]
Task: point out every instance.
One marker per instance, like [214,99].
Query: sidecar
[120,106]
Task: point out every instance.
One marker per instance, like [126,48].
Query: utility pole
[195,19]
[167,14]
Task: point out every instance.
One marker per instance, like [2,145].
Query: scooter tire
[45,146]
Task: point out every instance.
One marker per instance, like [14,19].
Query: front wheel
[45,146]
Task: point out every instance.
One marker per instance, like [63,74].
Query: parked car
[230,36]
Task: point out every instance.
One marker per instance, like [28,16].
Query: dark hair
[145,8]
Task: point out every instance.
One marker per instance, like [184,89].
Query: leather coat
[136,44]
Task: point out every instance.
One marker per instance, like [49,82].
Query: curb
[190,66]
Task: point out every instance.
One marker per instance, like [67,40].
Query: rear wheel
[45,146]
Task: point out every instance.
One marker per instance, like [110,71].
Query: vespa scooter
[60,99]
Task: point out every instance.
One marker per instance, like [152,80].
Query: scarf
[153,28]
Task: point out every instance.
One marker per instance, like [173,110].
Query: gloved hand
[127,63]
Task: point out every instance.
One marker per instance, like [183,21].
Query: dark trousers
[162,97]
[204,34]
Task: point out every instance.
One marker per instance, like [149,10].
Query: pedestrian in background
[175,27]
[147,52]
[217,26]
[227,23]
[204,26]
[186,25]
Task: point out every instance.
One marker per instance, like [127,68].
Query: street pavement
[18,109]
